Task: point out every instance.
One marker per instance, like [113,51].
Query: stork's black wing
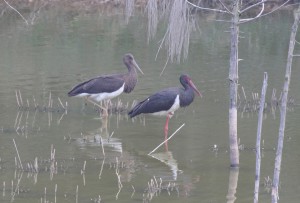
[98,85]
[160,101]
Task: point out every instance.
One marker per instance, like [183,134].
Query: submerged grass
[59,106]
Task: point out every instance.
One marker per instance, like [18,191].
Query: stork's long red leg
[167,126]
[166,131]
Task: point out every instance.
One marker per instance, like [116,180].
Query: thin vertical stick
[283,107]
[258,138]
[77,194]
[55,191]
[18,154]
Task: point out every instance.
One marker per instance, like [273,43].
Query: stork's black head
[186,82]
[129,61]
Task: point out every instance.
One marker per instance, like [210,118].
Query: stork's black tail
[136,110]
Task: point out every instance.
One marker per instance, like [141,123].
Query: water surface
[48,58]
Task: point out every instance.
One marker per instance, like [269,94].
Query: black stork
[108,86]
[166,101]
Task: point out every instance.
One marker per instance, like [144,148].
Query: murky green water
[57,52]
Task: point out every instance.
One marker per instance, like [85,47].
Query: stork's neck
[186,96]
[130,79]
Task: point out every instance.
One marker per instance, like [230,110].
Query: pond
[83,158]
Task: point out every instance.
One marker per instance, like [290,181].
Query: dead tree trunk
[258,137]
[283,107]
[232,184]
[233,84]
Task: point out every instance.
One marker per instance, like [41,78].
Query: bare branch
[279,7]
[258,15]
[209,9]
[225,21]
[249,7]
[16,11]
[225,7]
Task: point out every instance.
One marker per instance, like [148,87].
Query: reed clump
[156,186]
[57,105]
[25,104]
[251,103]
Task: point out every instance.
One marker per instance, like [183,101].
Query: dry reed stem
[166,139]
[16,12]
[20,162]
[45,195]
[129,9]
[3,193]
[244,93]
[152,13]
[119,178]
[164,66]
[61,103]
[132,191]
[101,170]
[12,187]
[17,186]
[20,98]
[101,140]
[17,97]
[76,194]
[49,102]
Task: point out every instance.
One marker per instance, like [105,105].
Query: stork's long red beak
[195,88]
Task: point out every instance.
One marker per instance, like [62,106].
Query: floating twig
[166,140]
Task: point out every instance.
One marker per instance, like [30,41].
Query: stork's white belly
[104,95]
[173,108]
